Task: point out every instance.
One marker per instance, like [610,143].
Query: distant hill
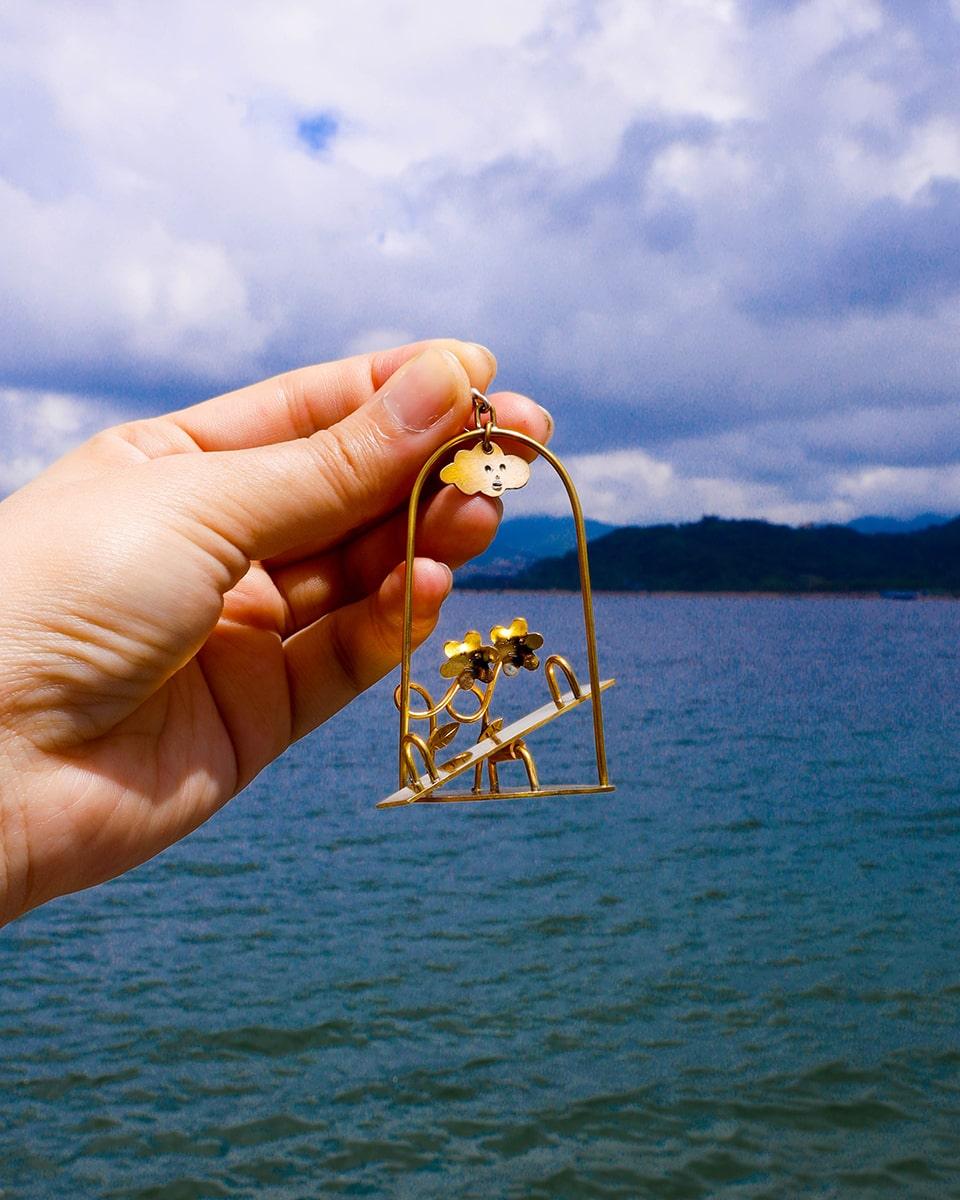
[718,555]
[899,524]
[522,541]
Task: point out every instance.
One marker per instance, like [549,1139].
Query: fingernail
[449,577]
[550,424]
[422,391]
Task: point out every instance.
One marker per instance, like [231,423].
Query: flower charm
[470,661]
[515,646]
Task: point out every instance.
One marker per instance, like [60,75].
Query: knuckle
[153,437]
[292,395]
[128,431]
[345,459]
[105,440]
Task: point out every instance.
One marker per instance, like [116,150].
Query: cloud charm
[491,473]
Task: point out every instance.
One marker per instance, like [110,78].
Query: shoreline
[679,594]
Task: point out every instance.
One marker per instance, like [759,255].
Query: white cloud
[369,340]
[38,427]
[902,490]
[592,189]
[680,57]
[631,487]
[930,151]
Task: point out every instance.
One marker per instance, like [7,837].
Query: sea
[736,976]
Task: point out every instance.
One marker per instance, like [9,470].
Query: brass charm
[490,472]
[475,666]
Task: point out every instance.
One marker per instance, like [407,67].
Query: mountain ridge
[722,555]
[521,541]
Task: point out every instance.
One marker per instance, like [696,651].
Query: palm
[236,689]
[198,737]
[165,767]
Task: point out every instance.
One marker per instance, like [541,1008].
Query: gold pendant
[476,667]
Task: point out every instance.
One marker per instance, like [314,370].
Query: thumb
[317,489]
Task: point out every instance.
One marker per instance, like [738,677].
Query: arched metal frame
[474,435]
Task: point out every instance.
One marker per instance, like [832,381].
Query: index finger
[298,403]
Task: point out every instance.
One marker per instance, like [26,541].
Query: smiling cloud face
[476,470]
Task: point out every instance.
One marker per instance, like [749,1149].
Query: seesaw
[424,789]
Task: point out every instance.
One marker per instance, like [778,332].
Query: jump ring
[483,408]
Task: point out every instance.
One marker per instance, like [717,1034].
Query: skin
[184,597]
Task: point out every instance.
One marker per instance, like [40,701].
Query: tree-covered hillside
[719,555]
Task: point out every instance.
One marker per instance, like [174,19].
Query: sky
[719,239]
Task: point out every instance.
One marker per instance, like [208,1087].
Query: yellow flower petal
[457,663]
[472,641]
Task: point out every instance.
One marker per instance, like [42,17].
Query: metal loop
[484,696]
[407,744]
[483,408]
[550,670]
[432,709]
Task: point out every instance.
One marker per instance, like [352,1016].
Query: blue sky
[719,239]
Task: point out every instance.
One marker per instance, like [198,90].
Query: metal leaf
[443,735]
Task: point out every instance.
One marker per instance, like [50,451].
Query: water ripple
[735,977]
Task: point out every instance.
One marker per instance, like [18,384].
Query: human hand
[183,597]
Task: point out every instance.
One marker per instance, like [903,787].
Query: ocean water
[737,976]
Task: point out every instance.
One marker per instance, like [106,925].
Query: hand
[185,596]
